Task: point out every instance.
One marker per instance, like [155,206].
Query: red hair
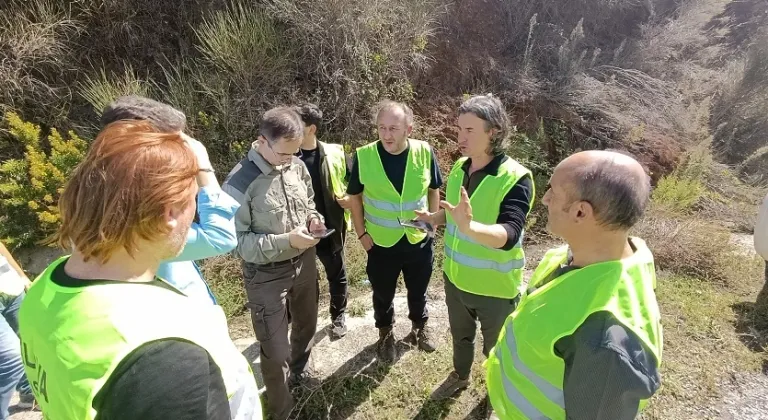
[122,189]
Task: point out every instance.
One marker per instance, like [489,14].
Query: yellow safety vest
[524,375]
[382,203]
[73,338]
[473,267]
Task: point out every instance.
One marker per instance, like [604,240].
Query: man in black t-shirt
[328,167]
[390,179]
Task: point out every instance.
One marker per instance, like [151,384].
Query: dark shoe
[305,379]
[421,336]
[450,387]
[27,401]
[385,347]
[338,328]
[488,413]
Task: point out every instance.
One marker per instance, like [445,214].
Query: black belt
[290,261]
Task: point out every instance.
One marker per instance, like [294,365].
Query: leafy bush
[30,186]
[682,190]
[678,194]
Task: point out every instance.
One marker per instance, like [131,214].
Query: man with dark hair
[488,198]
[586,340]
[390,180]
[327,164]
[275,227]
[214,232]
[133,107]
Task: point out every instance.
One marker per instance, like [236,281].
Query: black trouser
[336,271]
[384,268]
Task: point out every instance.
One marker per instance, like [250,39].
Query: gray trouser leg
[266,289]
[463,330]
[303,297]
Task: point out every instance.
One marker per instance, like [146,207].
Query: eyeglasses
[281,156]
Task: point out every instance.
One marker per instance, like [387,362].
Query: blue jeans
[12,375]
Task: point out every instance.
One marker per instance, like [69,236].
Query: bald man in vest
[586,340]
[390,180]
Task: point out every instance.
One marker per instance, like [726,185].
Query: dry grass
[690,246]
[738,114]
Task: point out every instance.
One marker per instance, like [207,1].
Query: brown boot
[421,335]
[385,347]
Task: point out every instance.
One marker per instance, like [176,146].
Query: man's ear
[312,129]
[409,129]
[583,211]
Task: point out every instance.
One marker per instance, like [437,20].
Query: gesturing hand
[461,213]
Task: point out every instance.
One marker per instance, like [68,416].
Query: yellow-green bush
[31,184]
[677,193]
[681,190]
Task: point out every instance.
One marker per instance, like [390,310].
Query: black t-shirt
[165,379]
[394,167]
[311,158]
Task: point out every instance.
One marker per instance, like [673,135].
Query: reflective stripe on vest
[383,205]
[404,206]
[74,338]
[550,391]
[468,261]
[525,376]
[505,267]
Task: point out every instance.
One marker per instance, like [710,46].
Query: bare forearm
[492,236]
[7,254]
[208,180]
[439,218]
[433,198]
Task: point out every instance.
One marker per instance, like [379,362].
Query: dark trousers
[384,268]
[464,310]
[336,271]
[268,289]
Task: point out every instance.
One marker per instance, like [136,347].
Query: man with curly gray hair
[488,198]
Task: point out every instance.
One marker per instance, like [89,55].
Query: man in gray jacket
[274,225]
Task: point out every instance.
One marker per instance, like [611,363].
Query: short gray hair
[133,107]
[387,105]
[490,109]
[618,196]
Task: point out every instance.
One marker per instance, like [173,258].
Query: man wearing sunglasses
[275,226]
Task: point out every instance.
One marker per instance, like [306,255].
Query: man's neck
[309,143]
[400,149]
[479,162]
[600,247]
[120,267]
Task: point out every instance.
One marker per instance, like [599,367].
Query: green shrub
[677,193]
[30,186]
[682,190]
[99,91]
